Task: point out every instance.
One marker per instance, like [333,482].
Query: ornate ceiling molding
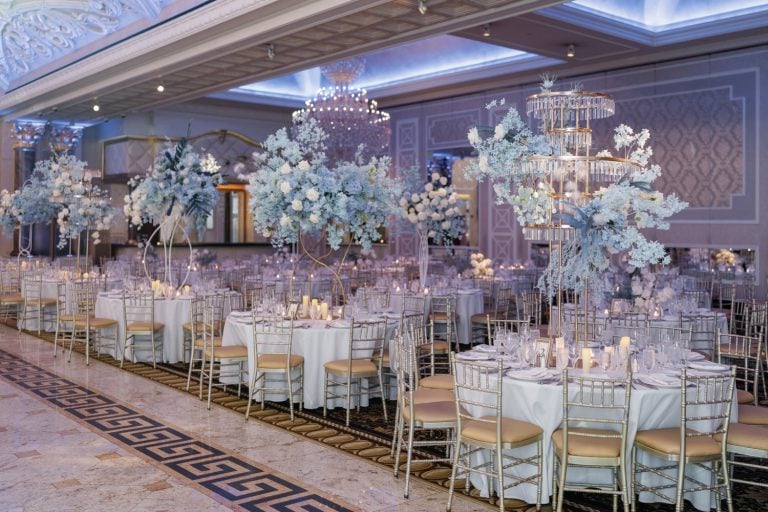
[35,32]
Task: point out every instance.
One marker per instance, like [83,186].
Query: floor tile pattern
[225,475]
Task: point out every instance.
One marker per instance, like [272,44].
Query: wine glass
[561,359]
[605,360]
[649,359]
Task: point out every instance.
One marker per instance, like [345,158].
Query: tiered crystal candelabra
[571,173]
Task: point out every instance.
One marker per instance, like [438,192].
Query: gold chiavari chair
[272,347]
[421,335]
[703,332]
[36,307]
[11,299]
[64,318]
[478,386]
[747,441]
[498,309]
[366,344]
[593,434]
[443,314]
[741,352]
[414,304]
[700,440]
[418,410]
[140,324]
[532,307]
[217,357]
[87,328]
[192,334]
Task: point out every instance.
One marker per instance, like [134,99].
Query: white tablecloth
[468,303]
[542,405]
[317,343]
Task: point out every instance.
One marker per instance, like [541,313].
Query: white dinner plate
[531,374]
[472,356]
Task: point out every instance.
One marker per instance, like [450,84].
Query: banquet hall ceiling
[116,52]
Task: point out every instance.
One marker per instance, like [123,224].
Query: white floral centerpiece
[293,193]
[179,187]
[84,206]
[180,183]
[481,266]
[437,213]
[606,222]
[9,213]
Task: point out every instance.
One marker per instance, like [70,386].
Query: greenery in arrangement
[436,210]
[60,188]
[607,221]
[180,182]
[294,192]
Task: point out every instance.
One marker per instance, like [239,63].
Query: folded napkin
[530,374]
[695,356]
[339,324]
[472,356]
[240,314]
[484,348]
[659,380]
[707,366]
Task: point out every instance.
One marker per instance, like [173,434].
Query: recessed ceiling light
[487,30]
[160,88]
[96,107]
[270,51]
[570,51]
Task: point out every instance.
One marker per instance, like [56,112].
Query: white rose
[446,224]
[443,180]
[314,218]
[403,202]
[474,136]
[415,198]
[435,176]
[312,194]
[452,199]
[297,205]
[482,163]
[286,168]
[499,132]
[413,218]
[436,217]
[419,207]
[285,187]
[598,219]
[442,192]
[421,216]
[285,220]
[303,165]
[450,212]
[429,187]
[444,203]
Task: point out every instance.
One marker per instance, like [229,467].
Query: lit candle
[625,341]
[323,309]
[559,344]
[426,291]
[398,289]
[586,359]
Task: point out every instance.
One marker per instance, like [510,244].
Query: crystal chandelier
[347,115]
[26,135]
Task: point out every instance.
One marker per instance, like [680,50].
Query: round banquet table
[318,341]
[172,313]
[542,405]
[468,302]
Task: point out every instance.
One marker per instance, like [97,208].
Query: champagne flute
[649,359]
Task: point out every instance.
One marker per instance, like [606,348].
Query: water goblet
[649,359]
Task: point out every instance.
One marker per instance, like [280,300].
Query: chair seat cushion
[748,436]
[588,446]
[95,322]
[136,327]
[11,298]
[441,347]
[278,361]
[439,381]
[753,415]
[744,397]
[359,367]
[199,343]
[432,412]
[426,395]
[667,440]
[228,352]
[512,431]
[41,302]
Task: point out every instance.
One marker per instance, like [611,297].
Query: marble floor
[51,462]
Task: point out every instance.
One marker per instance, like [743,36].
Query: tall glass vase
[164,236]
[423,256]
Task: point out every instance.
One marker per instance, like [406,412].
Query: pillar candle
[586,359]
[323,309]
[624,341]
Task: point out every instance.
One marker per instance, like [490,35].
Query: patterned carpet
[368,436]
